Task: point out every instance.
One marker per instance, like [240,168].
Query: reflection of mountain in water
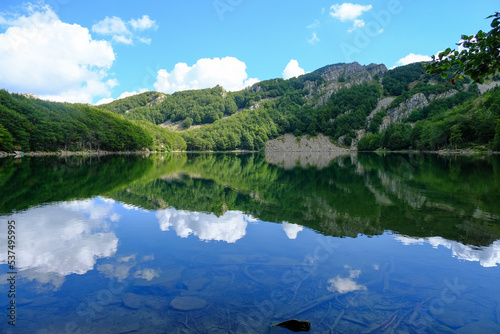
[420,196]
[290,160]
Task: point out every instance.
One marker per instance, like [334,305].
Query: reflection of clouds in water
[61,239]
[130,207]
[291,230]
[486,256]
[229,228]
[121,268]
[147,274]
[345,285]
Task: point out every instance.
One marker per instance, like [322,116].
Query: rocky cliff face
[341,76]
[290,143]
[415,102]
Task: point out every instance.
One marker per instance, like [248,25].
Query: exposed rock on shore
[290,143]
[289,151]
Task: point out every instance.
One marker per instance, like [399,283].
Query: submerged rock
[483,326]
[132,301]
[295,325]
[188,303]
[154,304]
[197,284]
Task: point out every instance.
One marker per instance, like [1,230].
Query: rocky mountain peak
[342,75]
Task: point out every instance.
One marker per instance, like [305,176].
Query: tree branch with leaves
[479,57]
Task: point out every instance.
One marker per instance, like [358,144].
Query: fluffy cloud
[62,239]
[291,230]
[486,256]
[292,70]
[350,12]
[412,58]
[344,285]
[52,59]
[143,23]
[229,228]
[111,26]
[120,32]
[122,96]
[228,72]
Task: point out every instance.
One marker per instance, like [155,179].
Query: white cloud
[412,58]
[316,24]
[350,12]
[229,228]
[145,40]
[55,60]
[344,285]
[228,72]
[123,39]
[143,23]
[122,96]
[292,70]
[111,26]
[314,39]
[486,256]
[120,32]
[291,230]
[147,274]
[62,239]
[357,24]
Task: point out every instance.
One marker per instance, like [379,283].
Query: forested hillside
[30,124]
[341,101]
[368,107]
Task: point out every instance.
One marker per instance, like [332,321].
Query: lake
[237,243]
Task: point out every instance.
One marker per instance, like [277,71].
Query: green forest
[326,200]
[340,106]
[28,124]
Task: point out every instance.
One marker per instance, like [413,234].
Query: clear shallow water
[382,248]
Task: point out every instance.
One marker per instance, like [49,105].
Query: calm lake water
[227,243]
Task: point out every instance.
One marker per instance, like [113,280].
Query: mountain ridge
[347,102]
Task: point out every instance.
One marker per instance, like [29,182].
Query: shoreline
[103,153]
[345,151]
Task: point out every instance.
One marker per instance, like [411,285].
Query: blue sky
[94,51]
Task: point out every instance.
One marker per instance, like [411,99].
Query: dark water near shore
[227,243]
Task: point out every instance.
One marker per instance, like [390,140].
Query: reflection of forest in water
[269,273]
[420,196]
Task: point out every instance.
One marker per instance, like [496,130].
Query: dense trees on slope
[396,81]
[248,118]
[200,106]
[345,112]
[35,125]
[246,131]
[457,122]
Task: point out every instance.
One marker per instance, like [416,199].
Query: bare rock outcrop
[289,151]
[416,101]
[342,76]
[290,143]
